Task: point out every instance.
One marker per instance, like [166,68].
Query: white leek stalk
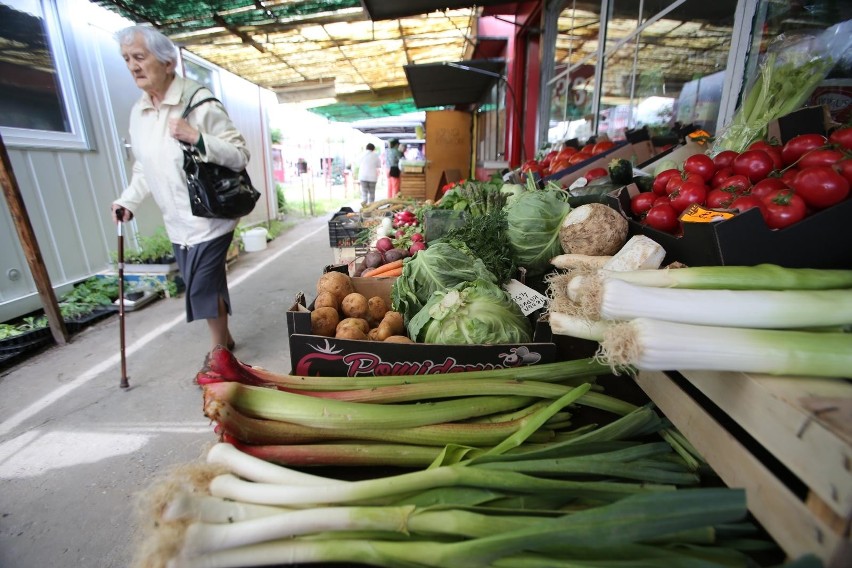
[256,469]
[654,345]
[576,326]
[760,277]
[789,309]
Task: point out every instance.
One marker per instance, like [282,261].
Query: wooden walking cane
[119,215]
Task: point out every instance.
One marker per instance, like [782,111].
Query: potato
[593,229]
[350,332]
[324,321]
[354,305]
[358,323]
[391,324]
[337,283]
[372,335]
[376,309]
[326,300]
[398,339]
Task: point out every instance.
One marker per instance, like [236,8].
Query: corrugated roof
[319,47]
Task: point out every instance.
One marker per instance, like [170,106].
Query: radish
[416,246]
[417,237]
[384,244]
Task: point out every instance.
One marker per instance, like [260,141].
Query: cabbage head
[436,268]
[534,219]
[471,313]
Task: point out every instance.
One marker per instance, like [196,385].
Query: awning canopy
[394,9]
[453,83]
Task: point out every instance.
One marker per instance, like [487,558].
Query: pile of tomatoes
[785,182]
[558,160]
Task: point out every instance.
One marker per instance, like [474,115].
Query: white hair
[157,43]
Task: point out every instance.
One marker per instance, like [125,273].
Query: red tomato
[662,217]
[754,164]
[721,175]
[531,166]
[773,150]
[724,159]
[798,146]
[578,157]
[642,202]
[662,199]
[720,198]
[821,186]
[559,164]
[738,183]
[566,153]
[548,158]
[789,174]
[688,193]
[819,157]
[844,168]
[659,186]
[602,146]
[700,164]
[842,137]
[768,185]
[596,173]
[746,202]
[783,208]
[587,148]
[675,182]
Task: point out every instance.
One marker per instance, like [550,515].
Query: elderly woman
[156,130]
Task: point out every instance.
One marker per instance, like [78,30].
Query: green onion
[760,277]
[653,345]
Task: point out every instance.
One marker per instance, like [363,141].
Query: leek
[618,300]
[760,277]
[654,345]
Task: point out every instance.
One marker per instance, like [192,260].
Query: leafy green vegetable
[476,197]
[534,219]
[437,268]
[486,237]
[471,313]
[620,171]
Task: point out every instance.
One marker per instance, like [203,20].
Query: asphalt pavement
[75,448]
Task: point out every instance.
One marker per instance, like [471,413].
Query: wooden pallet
[413,185]
[805,424]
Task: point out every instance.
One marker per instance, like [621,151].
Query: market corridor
[75,448]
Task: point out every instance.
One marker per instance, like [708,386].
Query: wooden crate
[746,425]
[413,185]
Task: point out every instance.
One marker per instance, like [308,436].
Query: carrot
[380,270]
[387,273]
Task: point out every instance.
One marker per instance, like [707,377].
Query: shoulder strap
[190,107]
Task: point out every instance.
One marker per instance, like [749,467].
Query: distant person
[368,174]
[156,128]
[393,155]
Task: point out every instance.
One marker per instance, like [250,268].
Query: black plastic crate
[343,230]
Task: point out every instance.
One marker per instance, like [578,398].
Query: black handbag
[215,192]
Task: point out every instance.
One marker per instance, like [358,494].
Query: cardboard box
[314,355]
[637,152]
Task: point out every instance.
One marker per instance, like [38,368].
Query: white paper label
[527,299]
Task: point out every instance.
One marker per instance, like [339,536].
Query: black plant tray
[74,325]
[26,341]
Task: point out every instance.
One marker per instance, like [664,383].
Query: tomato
[596,173]
[531,166]
[773,150]
[789,174]
[746,202]
[721,175]
[659,186]
[738,183]
[675,182]
[662,199]
[587,148]
[662,217]
[842,137]
[688,193]
[548,158]
[578,157]
[819,157]
[642,202]
[559,164]
[844,168]
[566,153]
[798,146]
[754,164]
[821,186]
[602,146]
[724,159]
[719,198]
[700,164]
[768,185]
[783,208]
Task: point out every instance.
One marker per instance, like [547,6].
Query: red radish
[384,244]
[417,237]
[419,245]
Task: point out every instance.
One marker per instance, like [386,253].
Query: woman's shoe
[231,345]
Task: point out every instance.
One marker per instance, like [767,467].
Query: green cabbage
[534,219]
[471,313]
[436,268]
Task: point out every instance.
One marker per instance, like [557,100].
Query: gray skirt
[202,268]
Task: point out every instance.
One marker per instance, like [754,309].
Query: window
[491,127]
[38,101]
[194,69]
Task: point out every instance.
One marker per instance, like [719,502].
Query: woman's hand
[183,131]
[120,213]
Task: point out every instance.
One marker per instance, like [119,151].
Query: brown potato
[376,309]
[354,305]
[324,321]
[398,339]
[337,283]
[391,324]
[326,300]
[350,332]
[372,335]
[358,323]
